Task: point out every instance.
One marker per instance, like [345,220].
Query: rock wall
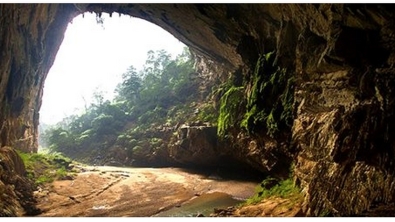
[341,57]
[16,190]
[344,102]
[30,36]
[196,145]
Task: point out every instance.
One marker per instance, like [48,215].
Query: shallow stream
[202,205]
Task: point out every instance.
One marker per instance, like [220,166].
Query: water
[203,204]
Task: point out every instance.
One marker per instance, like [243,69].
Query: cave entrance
[95,53]
[84,118]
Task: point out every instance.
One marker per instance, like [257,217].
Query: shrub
[44,167]
[284,189]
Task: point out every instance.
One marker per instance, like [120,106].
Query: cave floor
[132,192]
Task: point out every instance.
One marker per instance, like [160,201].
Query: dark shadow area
[360,47]
[226,173]
[378,210]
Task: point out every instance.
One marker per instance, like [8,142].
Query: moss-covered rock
[16,191]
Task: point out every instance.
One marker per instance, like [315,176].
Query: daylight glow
[94,57]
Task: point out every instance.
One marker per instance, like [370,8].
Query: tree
[59,139]
[129,89]
[156,62]
[143,100]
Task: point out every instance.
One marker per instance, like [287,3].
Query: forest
[116,132]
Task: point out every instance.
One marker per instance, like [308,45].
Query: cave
[341,57]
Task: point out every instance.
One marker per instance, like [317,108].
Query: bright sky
[94,56]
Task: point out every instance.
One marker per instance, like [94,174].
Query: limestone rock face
[345,110]
[30,36]
[341,57]
[196,145]
[342,133]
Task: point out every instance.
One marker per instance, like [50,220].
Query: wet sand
[133,192]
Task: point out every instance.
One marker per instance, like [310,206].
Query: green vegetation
[269,98]
[230,105]
[165,94]
[268,103]
[272,187]
[283,189]
[161,94]
[44,168]
[208,114]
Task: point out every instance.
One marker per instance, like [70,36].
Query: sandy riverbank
[137,192]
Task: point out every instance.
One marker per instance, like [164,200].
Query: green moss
[284,189]
[228,113]
[270,98]
[42,179]
[44,167]
[271,187]
[271,124]
[61,173]
[208,114]
[268,103]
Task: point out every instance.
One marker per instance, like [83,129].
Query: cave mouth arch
[94,55]
[33,33]
[103,19]
[43,34]
[129,49]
